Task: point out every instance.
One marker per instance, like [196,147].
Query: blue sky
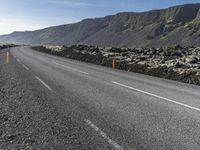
[21,15]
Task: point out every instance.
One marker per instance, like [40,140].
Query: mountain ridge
[155,28]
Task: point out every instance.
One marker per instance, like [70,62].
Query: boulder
[191,59]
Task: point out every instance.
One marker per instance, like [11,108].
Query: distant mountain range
[156,28]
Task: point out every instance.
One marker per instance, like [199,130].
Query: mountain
[171,26]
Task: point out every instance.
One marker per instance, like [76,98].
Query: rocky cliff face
[156,28]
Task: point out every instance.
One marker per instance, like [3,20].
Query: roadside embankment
[175,63]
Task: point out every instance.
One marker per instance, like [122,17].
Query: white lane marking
[157,96]
[102,134]
[25,67]
[18,60]
[71,68]
[48,87]
[14,56]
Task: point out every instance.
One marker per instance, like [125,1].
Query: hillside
[175,25]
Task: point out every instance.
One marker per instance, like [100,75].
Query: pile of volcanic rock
[175,62]
[3,46]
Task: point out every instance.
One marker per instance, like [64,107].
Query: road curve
[127,110]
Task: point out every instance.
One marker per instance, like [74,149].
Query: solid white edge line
[157,96]
[70,68]
[25,67]
[102,134]
[43,83]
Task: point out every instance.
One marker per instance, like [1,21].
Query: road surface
[124,110]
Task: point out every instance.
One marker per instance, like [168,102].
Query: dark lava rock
[167,62]
[191,60]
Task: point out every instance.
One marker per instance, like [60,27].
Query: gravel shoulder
[30,120]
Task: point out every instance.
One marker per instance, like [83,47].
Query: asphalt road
[125,110]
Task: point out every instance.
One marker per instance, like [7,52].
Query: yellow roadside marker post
[7,57]
[113,63]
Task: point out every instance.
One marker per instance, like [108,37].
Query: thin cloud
[71,3]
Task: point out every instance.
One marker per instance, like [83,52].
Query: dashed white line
[102,134]
[18,60]
[48,87]
[25,67]
[71,68]
[157,96]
